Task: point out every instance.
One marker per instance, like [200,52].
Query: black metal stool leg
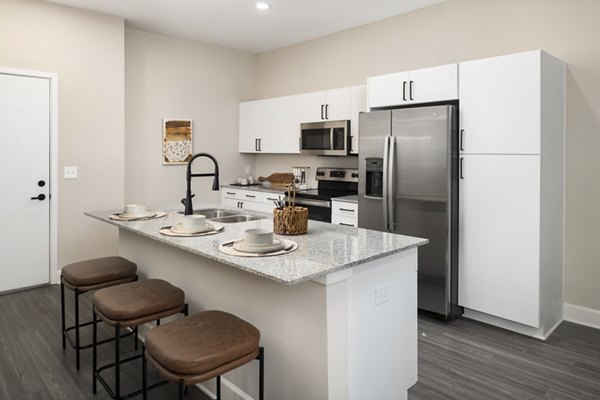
[62,313]
[117,361]
[218,387]
[261,377]
[77,327]
[181,389]
[94,349]
[144,376]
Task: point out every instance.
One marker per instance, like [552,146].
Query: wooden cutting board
[278,178]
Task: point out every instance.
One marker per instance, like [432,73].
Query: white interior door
[24,174]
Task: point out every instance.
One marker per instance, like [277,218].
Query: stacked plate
[191,230]
[258,241]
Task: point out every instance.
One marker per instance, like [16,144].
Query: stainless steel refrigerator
[408,184]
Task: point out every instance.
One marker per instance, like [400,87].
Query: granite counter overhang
[325,249]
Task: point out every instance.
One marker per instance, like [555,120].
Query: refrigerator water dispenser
[374,184]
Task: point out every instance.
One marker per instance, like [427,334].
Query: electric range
[332,183]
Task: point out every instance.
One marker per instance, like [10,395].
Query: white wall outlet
[383,294]
[70,173]
[247,170]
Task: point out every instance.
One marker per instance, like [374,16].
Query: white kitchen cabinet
[249,199]
[500,102]
[358,104]
[499,230]
[511,217]
[411,87]
[271,125]
[344,213]
[326,105]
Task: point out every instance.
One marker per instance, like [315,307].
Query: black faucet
[187,202]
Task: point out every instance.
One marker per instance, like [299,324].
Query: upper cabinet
[500,102]
[271,125]
[326,105]
[419,86]
[358,104]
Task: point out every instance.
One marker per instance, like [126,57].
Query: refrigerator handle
[386,151]
[390,183]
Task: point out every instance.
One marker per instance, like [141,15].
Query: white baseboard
[582,315]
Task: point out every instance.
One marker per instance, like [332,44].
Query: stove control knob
[355,174]
[320,173]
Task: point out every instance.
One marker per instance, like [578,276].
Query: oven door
[318,210]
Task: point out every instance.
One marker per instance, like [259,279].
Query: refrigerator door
[423,156]
[375,128]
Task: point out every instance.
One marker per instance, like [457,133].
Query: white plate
[133,216]
[178,228]
[240,245]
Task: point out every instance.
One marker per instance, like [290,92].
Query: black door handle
[39,197]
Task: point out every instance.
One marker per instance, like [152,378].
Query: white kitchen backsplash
[266,164]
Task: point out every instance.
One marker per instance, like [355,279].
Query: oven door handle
[310,202]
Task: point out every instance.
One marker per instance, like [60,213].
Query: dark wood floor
[459,360]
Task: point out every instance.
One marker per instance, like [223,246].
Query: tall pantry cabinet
[511,171]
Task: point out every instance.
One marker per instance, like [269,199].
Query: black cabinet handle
[326,111]
[250,195]
[232,193]
[255,144]
[40,197]
[461,167]
[322,105]
[341,223]
[462,135]
[410,87]
[346,209]
[259,144]
[404,90]
[41,183]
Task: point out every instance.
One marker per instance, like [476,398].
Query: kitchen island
[338,316]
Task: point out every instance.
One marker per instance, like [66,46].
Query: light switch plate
[383,294]
[70,173]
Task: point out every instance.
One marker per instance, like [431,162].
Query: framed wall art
[177,141]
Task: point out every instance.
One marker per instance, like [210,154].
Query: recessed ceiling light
[263,6]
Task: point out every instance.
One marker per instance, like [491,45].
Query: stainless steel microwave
[327,138]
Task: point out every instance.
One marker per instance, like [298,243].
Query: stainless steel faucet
[187,201]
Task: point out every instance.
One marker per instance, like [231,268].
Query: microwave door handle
[391,183]
[386,149]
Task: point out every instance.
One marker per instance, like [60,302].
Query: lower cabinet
[344,213]
[249,199]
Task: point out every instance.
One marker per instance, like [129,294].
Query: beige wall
[86,51]
[460,30]
[174,78]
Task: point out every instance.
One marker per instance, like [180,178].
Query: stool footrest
[89,345]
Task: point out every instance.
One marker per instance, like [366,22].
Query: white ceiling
[239,25]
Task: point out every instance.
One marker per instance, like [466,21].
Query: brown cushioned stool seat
[88,275]
[203,346]
[130,305]
[138,302]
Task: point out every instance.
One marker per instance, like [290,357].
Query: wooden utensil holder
[291,220]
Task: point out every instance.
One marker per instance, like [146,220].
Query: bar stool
[201,347]
[130,305]
[85,276]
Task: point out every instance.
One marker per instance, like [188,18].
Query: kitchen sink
[224,216]
[235,218]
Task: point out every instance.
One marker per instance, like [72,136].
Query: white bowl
[258,237]
[193,221]
[135,209]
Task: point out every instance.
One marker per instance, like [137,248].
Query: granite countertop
[258,188]
[326,248]
[347,199]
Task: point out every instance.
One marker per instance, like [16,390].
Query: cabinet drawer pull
[231,193]
[272,198]
[347,209]
[341,223]
[250,195]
